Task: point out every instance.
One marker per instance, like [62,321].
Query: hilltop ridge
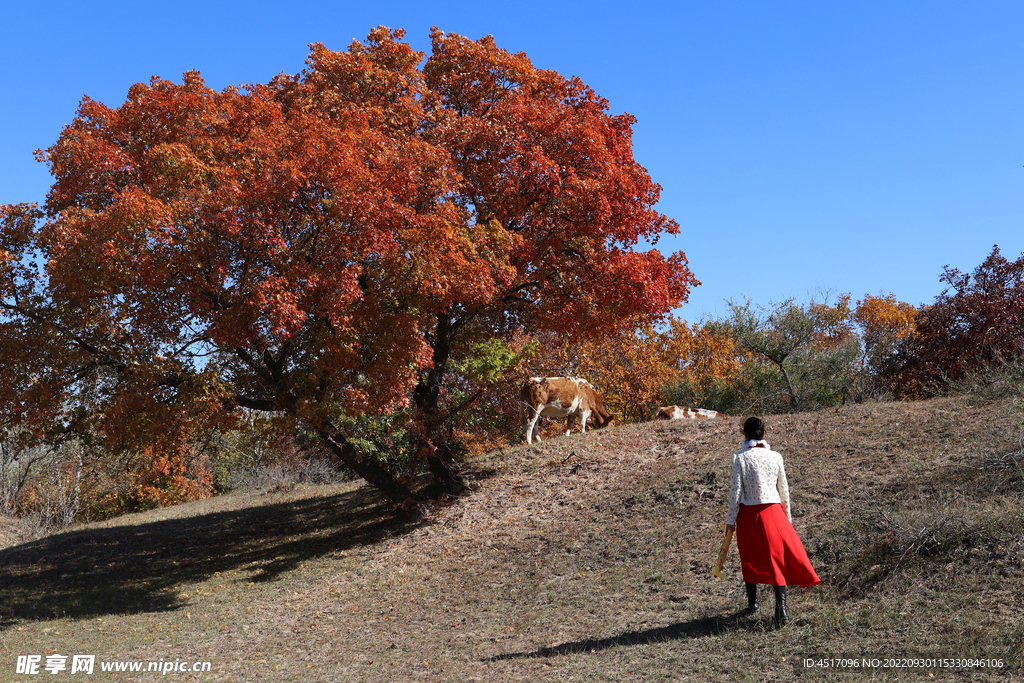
[582,558]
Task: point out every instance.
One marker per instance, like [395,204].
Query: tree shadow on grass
[696,628]
[136,569]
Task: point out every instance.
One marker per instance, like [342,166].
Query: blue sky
[802,146]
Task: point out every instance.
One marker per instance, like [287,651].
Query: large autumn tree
[323,245]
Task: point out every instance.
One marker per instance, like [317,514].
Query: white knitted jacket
[758,477]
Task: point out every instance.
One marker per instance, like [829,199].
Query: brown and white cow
[683,413]
[569,397]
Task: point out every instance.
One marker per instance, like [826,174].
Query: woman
[770,550]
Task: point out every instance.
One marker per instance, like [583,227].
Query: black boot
[752,605]
[781,617]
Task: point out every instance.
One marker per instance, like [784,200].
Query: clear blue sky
[846,146]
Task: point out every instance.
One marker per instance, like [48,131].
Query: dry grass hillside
[584,558]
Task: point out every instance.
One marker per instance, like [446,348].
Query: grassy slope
[586,558]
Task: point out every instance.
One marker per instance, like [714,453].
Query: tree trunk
[428,397]
[369,470]
[793,402]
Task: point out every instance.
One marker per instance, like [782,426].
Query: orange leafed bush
[703,353]
[633,368]
[833,326]
[169,479]
[884,323]
[630,368]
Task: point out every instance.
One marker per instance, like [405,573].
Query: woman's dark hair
[754,428]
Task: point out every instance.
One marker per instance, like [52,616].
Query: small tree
[704,368]
[630,368]
[885,324]
[41,483]
[18,464]
[812,348]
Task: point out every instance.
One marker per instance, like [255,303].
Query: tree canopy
[974,323]
[324,244]
[812,347]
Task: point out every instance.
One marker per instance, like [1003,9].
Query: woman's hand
[730,527]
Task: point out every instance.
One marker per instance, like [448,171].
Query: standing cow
[568,397]
[683,413]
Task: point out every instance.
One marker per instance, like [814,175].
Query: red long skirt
[770,550]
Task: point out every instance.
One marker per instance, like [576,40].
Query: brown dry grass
[584,558]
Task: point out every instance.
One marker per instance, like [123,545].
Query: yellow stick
[717,571]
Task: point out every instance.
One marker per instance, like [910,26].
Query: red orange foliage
[167,479]
[705,355]
[976,322]
[833,325]
[630,368]
[634,367]
[884,324]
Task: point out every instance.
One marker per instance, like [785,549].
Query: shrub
[974,324]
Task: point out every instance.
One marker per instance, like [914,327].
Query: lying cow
[683,413]
[569,397]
